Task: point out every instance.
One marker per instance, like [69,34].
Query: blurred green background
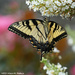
[18,55]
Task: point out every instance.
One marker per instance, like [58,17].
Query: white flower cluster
[70,43]
[53,7]
[56,50]
[52,69]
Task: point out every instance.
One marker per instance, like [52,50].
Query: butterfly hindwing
[33,27]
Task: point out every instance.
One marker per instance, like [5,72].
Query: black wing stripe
[23,24]
[51,24]
[55,27]
[17,23]
[63,35]
[35,23]
[27,23]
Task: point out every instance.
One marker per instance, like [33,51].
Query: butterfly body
[42,34]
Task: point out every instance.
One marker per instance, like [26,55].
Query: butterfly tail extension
[35,45]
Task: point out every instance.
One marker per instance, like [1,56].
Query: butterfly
[42,34]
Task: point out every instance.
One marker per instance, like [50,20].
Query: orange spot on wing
[35,46]
[31,42]
[30,38]
[39,49]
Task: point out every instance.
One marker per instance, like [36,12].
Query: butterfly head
[45,21]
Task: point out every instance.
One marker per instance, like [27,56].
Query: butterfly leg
[41,55]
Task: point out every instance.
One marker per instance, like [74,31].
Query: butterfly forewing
[33,27]
[56,33]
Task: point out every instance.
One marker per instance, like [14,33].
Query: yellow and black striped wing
[56,33]
[29,28]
